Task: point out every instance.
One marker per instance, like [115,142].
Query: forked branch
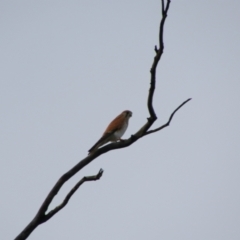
[69,195]
[169,120]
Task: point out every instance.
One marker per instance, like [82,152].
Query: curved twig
[169,120]
[69,195]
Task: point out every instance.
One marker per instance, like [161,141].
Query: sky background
[69,67]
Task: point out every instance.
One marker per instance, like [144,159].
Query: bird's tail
[104,139]
[93,148]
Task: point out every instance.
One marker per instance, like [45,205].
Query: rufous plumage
[114,131]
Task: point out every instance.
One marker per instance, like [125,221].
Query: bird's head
[127,113]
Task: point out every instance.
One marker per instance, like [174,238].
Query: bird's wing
[101,141]
[115,125]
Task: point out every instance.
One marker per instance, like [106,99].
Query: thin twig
[71,192]
[164,16]
[163,7]
[169,121]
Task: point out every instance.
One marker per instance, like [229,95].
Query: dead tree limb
[169,120]
[41,215]
[69,195]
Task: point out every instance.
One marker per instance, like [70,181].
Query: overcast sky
[69,67]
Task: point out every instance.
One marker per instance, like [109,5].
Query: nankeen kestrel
[114,131]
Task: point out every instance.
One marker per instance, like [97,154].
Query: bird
[114,131]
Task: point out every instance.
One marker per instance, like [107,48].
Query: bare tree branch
[169,120]
[164,16]
[41,215]
[69,195]
[157,58]
[163,7]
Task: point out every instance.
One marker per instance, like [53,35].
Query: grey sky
[69,67]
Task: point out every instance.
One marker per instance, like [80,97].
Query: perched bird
[114,131]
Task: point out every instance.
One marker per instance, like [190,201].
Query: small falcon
[114,131]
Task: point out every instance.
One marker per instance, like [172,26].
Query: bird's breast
[119,133]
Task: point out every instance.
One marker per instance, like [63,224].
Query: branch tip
[100,173]
[170,119]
